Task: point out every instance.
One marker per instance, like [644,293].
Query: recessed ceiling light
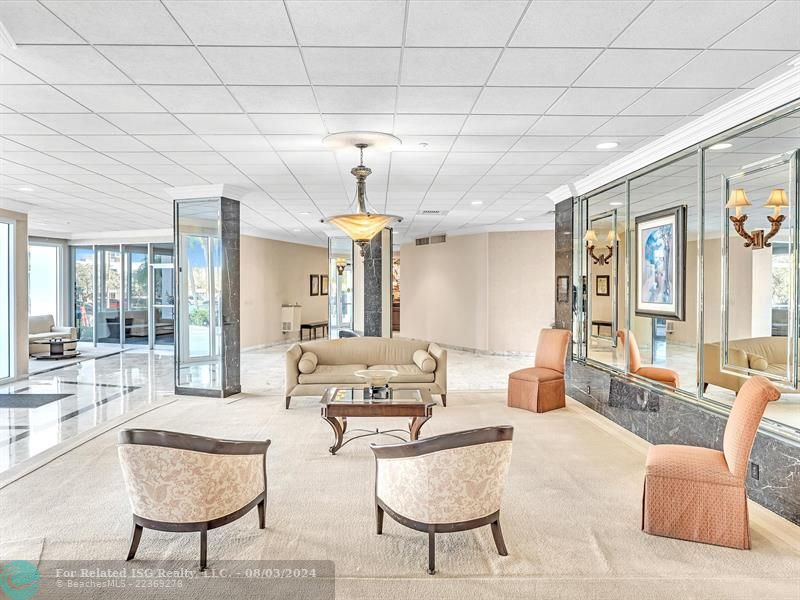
[304,214]
[607,145]
[25,189]
[615,203]
[519,219]
[722,146]
[476,202]
[296,230]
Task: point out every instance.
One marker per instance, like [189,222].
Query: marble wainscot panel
[374,281]
[663,419]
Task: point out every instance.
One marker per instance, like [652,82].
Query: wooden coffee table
[340,403]
[57,349]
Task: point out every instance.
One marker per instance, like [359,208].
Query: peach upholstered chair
[446,483]
[698,494]
[181,482]
[659,374]
[541,388]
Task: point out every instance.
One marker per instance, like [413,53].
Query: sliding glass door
[44,280]
[82,268]
[6,299]
[109,294]
[137,318]
[162,286]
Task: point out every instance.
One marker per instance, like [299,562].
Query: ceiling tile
[634,68]
[432,100]
[356,122]
[290,124]
[237,142]
[194,99]
[145,123]
[498,124]
[517,100]
[257,66]
[484,143]
[68,64]
[566,125]
[348,23]
[575,23]
[336,99]
[726,68]
[663,24]
[11,73]
[36,99]
[111,143]
[541,66]
[31,23]
[223,123]
[48,143]
[233,22]
[161,64]
[77,123]
[663,101]
[447,66]
[352,66]
[197,158]
[462,23]
[428,124]
[275,99]
[774,28]
[11,124]
[111,98]
[595,101]
[119,22]
[173,143]
[545,143]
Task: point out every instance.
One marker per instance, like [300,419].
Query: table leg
[416,425]
[343,421]
[338,433]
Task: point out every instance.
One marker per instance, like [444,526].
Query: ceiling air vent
[423,241]
[431,213]
[438,239]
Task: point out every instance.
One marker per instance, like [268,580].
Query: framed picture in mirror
[562,288]
[313,285]
[601,285]
[661,264]
[323,285]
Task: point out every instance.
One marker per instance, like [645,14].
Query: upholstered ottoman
[536,389]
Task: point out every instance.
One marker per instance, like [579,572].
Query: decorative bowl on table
[377,381]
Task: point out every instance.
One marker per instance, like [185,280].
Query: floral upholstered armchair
[445,483]
[181,482]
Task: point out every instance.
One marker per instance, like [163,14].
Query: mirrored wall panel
[340,293]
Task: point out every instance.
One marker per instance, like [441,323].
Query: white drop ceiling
[105,104]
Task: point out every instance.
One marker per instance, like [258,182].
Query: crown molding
[774,94]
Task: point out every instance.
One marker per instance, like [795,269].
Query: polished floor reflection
[95,392]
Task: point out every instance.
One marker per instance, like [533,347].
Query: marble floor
[101,393]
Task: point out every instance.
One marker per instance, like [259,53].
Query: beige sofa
[766,354]
[313,366]
[42,327]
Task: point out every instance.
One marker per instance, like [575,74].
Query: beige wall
[20,221]
[275,273]
[490,291]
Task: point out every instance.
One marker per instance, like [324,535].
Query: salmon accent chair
[698,494]
[541,388]
[659,374]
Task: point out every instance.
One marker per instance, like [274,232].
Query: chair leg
[444,399]
[262,517]
[497,533]
[203,549]
[288,399]
[136,537]
[378,520]
[431,552]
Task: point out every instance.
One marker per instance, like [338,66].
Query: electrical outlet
[589,389]
[754,470]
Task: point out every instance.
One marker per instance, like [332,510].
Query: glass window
[44,291]
[109,294]
[340,289]
[6,304]
[83,291]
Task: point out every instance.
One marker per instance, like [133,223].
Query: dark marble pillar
[563,245]
[376,284]
[231,348]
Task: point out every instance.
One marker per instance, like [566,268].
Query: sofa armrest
[712,372]
[293,355]
[440,374]
[71,332]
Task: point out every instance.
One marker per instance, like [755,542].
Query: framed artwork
[562,288]
[661,264]
[323,285]
[313,285]
[601,285]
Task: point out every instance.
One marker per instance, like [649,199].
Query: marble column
[378,286]
[563,243]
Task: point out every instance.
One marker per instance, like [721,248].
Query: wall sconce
[590,238]
[757,240]
[341,263]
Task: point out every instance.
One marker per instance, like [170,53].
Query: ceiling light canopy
[607,145]
[362,225]
[375,140]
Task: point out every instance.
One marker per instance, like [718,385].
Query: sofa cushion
[424,361]
[367,350]
[759,363]
[308,362]
[40,323]
[45,336]
[333,374]
[407,374]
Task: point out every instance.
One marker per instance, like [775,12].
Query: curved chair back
[180,478]
[551,350]
[450,478]
[634,357]
[740,431]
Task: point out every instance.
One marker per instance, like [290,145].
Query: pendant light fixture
[362,225]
